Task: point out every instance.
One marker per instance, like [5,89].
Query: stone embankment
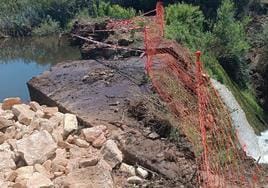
[42,147]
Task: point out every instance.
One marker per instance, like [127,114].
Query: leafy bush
[230,43]
[116,11]
[61,10]
[14,21]
[18,18]
[184,23]
[47,27]
[230,36]
[226,39]
[112,10]
[82,14]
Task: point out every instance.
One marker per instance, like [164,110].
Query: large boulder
[91,51]
[36,148]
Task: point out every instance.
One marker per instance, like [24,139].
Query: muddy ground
[119,95]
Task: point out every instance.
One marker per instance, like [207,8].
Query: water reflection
[21,59]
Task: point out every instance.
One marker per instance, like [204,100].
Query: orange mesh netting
[189,94]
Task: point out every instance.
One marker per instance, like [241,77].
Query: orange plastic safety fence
[190,95]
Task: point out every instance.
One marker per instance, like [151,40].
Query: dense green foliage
[185,24]
[226,40]
[47,27]
[102,9]
[230,43]
[209,7]
[18,18]
[224,43]
[230,36]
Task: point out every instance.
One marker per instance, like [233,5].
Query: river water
[21,59]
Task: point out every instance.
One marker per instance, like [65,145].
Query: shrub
[83,14]
[226,43]
[230,35]
[230,43]
[184,23]
[102,9]
[17,18]
[47,27]
[116,11]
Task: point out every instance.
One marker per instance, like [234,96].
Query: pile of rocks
[41,147]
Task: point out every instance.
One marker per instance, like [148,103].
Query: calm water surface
[21,59]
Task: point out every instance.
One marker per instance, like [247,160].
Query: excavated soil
[119,95]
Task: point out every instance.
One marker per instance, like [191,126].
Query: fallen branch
[108,45]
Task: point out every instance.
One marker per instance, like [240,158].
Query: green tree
[19,17]
[230,42]
[47,27]
[184,22]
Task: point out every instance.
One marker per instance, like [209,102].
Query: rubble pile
[42,147]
